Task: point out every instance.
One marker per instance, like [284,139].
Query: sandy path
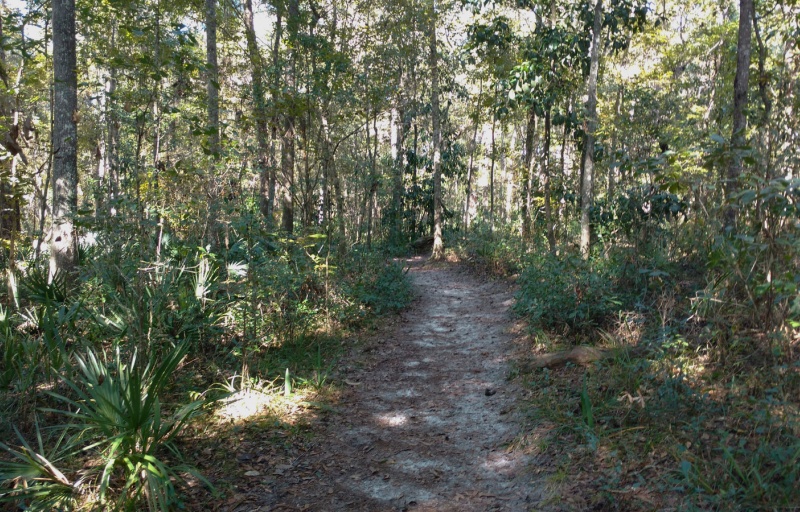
[428,414]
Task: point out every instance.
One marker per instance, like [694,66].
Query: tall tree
[288,147]
[212,77]
[740,85]
[438,245]
[525,178]
[266,192]
[63,242]
[9,204]
[397,135]
[591,126]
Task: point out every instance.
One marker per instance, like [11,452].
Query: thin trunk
[157,94]
[503,170]
[472,149]
[212,77]
[339,197]
[288,138]
[260,111]
[525,196]
[112,128]
[564,135]
[273,159]
[287,170]
[612,169]
[591,124]
[414,177]
[563,166]
[397,159]
[63,242]
[548,209]
[763,90]
[491,168]
[308,185]
[47,181]
[740,85]
[438,245]
[373,177]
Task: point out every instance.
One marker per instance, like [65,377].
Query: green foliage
[117,412]
[376,284]
[116,419]
[754,281]
[568,294]
[31,478]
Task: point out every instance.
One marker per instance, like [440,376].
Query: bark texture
[740,84]
[63,243]
[260,110]
[212,77]
[587,176]
[438,244]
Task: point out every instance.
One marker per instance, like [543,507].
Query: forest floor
[426,420]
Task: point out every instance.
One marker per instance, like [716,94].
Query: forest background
[223,182]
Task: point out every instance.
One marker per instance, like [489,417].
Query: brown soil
[428,415]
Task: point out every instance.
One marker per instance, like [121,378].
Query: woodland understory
[200,202]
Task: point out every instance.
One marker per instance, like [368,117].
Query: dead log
[423,243]
[582,355]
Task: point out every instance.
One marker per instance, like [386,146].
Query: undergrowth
[698,405]
[103,374]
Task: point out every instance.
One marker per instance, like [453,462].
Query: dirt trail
[428,414]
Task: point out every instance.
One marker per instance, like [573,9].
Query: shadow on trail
[428,414]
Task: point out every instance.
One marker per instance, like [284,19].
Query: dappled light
[406,255]
[391,419]
[427,421]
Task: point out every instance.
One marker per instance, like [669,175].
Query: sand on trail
[428,414]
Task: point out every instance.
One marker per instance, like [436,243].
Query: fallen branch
[581,355]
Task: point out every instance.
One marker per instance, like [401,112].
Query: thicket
[101,371]
[697,403]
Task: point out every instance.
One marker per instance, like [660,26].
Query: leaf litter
[426,419]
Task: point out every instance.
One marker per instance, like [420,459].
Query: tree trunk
[260,109]
[525,199]
[765,134]
[288,137]
[397,158]
[612,169]
[273,159]
[491,167]
[438,245]
[414,178]
[212,77]
[369,200]
[63,242]
[591,125]
[740,85]
[472,149]
[287,169]
[548,208]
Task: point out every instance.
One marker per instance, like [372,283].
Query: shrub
[568,294]
[116,415]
